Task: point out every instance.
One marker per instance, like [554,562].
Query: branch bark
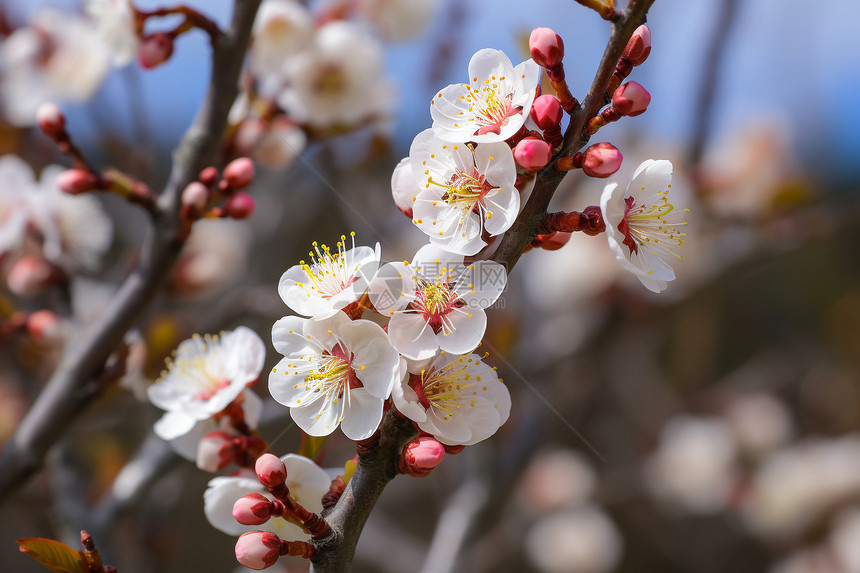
[74,385]
[347,518]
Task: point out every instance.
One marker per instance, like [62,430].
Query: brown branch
[525,228]
[75,383]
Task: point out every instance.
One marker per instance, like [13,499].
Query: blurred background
[713,427]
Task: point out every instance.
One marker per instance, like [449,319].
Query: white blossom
[494,104]
[458,399]
[436,301]
[643,228]
[307,482]
[464,191]
[398,20]
[115,21]
[334,372]
[282,29]
[582,540]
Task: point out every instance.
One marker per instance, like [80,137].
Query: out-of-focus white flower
[282,29]
[583,540]
[795,485]
[74,231]
[338,80]
[115,22]
[205,376]
[60,57]
[436,301]
[642,226]
[463,192]
[334,372]
[845,539]
[214,256]
[331,281]
[759,422]
[404,187]
[398,20]
[275,144]
[694,465]
[494,104]
[556,479]
[307,482]
[458,399]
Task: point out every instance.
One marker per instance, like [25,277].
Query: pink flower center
[624,226]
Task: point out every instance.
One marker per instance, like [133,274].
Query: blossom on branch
[458,399]
[115,21]
[465,191]
[493,106]
[334,372]
[644,229]
[282,29]
[436,301]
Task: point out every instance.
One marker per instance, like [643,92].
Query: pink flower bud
[215,451]
[270,470]
[631,99]
[555,240]
[531,153]
[639,46]
[546,47]
[208,176]
[546,111]
[601,160]
[74,181]
[258,549]
[154,50]
[240,206]
[29,276]
[420,456]
[252,509]
[239,173]
[195,195]
[44,326]
[51,120]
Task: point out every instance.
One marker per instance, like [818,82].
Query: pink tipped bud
[240,206]
[531,153]
[239,173]
[51,120]
[74,181]
[44,326]
[252,509]
[601,160]
[546,111]
[271,471]
[420,456]
[631,99]
[546,47]
[215,451]
[195,195]
[29,276]
[209,176]
[258,549]
[639,46]
[154,50]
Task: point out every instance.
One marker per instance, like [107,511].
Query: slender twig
[74,384]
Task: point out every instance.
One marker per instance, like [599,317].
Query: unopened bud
[208,176]
[639,46]
[195,195]
[403,187]
[51,120]
[154,50]
[531,153]
[546,111]
[546,47]
[215,451]
[44,326]
[239,173]
[258,549]
[270,470]
[240,206]
[252,509]
[75,181]
[420,456]
[631,99]
[555,240]
[601,160]
[29,276]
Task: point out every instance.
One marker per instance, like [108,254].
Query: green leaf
[56,556]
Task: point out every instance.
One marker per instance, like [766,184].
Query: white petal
[496,161]
[307,481]
[481,283]
[469,326]
[319,418]
[412,336]
[504,204]
[389,288]
[324,330]
[285,386]
[173,424]
[246,352]
[363,414]
[218,500]
[406,402]
[288,336]
[375,361]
